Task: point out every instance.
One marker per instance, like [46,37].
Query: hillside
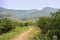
[26,14]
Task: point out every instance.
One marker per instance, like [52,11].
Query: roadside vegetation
[9,28]
[49,26]
[45,28]
[12,33]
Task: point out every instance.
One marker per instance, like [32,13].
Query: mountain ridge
[27,14]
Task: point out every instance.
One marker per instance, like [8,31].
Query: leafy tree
[43,24]
[50,26]
[6,25]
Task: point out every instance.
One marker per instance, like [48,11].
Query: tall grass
[12,33]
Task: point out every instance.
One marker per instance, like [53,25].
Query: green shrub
[50,25]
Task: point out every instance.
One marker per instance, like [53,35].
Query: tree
[43,24]
[6,25]
[50,26]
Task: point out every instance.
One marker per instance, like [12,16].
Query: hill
[26,14]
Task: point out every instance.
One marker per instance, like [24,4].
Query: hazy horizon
[29,4]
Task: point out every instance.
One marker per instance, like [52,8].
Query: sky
[29,4]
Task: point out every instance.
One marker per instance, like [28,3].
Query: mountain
[26,14]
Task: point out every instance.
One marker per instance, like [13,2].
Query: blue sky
[29,4]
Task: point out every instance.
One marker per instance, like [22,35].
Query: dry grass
[34,32]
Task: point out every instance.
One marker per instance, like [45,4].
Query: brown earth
[22,36]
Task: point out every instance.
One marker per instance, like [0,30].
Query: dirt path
[23,36]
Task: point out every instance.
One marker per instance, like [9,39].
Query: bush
[50,25]
[6,25]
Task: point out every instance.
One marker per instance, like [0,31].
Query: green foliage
[50,26]
[43,23]
[9,28]
[6,25]
[12,33]
[55,37]
[41,37]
